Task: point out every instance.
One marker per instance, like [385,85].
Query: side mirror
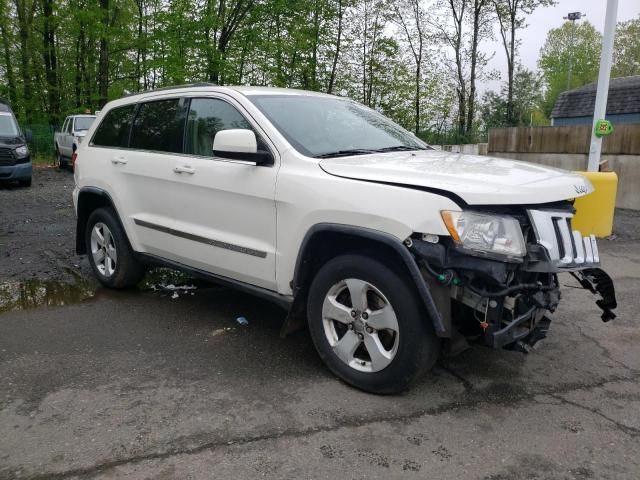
[28,135]
[240,144]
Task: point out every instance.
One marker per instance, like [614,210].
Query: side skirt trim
[205,240]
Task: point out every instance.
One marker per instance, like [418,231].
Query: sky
[544,19]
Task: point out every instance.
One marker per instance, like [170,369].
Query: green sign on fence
[603,128]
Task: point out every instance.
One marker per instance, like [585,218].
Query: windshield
[8,126]
[331,127]
[83,123]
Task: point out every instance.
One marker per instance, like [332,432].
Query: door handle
[119,160]
[184,169]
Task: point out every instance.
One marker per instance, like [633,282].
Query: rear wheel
[110,255]
[368,325]
[59,160]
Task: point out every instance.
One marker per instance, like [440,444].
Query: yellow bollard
[594,212]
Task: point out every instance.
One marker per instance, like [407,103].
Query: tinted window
[159,126]
[207,116]
[114,128]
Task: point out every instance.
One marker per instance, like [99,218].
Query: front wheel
[368,325]
[110,255]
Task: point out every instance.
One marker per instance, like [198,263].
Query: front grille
[6,157]
[567,247]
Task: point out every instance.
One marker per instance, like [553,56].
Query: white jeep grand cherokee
[389,249]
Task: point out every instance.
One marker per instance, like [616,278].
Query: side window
[64,125]
[69,122]
[207,116]
[113,131]
[159,126]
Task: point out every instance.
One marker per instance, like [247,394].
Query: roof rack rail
[186,85]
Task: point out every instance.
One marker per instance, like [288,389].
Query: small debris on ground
[242,321]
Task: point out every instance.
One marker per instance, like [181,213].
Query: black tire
[25,183]
[59,162]
[128,270]
[418,346]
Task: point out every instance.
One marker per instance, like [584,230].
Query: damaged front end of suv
[495,279]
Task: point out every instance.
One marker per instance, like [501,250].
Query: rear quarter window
[114,129]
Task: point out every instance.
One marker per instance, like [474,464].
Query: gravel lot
[139,384]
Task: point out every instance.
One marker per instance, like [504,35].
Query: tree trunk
[103,64]
[25,16]
[50,62]
[332,77]
[475,40]
[11,81]
[510,65]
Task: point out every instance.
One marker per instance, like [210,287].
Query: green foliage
[555,57]
[527,102]
[626,50]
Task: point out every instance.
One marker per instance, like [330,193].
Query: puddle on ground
[38,293]
[173,283]
[32,293]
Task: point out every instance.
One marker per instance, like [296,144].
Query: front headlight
[22,151]
[485,234]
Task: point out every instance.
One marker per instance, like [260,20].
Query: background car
[66,140]
[15,159]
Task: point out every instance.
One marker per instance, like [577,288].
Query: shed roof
[624,97]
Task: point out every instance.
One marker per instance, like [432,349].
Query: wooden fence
[625,140]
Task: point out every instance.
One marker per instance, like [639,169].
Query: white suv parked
[388,249]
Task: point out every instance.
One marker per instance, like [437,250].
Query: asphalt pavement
[162,383]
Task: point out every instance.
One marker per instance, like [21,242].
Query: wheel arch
[90,199]
[326,240]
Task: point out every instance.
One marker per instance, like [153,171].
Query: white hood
[478,180]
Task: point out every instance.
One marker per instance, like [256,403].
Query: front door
[224,210]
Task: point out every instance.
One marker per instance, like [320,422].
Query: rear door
[224,210]
[61,137]
[67,139]
[133,141]
[157,134]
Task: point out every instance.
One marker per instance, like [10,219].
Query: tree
[554,59]
[527,102]
[626,51]
[511,18]
[411,18]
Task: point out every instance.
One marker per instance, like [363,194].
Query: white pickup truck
[66,141]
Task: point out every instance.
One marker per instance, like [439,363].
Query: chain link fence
[41,144]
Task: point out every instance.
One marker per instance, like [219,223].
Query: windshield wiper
[398,148]
[344,153]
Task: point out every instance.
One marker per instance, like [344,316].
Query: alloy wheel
[360,325]
[103,249]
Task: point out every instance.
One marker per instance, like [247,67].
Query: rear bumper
[21,171]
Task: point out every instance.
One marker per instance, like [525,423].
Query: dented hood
[478,180]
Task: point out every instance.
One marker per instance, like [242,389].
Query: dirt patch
[37,231]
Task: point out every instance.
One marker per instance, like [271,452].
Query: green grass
[42,159]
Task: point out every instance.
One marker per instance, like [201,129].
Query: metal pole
[603,82]
[571,35]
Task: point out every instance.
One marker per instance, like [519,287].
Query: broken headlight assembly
[486,235]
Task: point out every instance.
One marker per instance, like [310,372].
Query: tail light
[74,158]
